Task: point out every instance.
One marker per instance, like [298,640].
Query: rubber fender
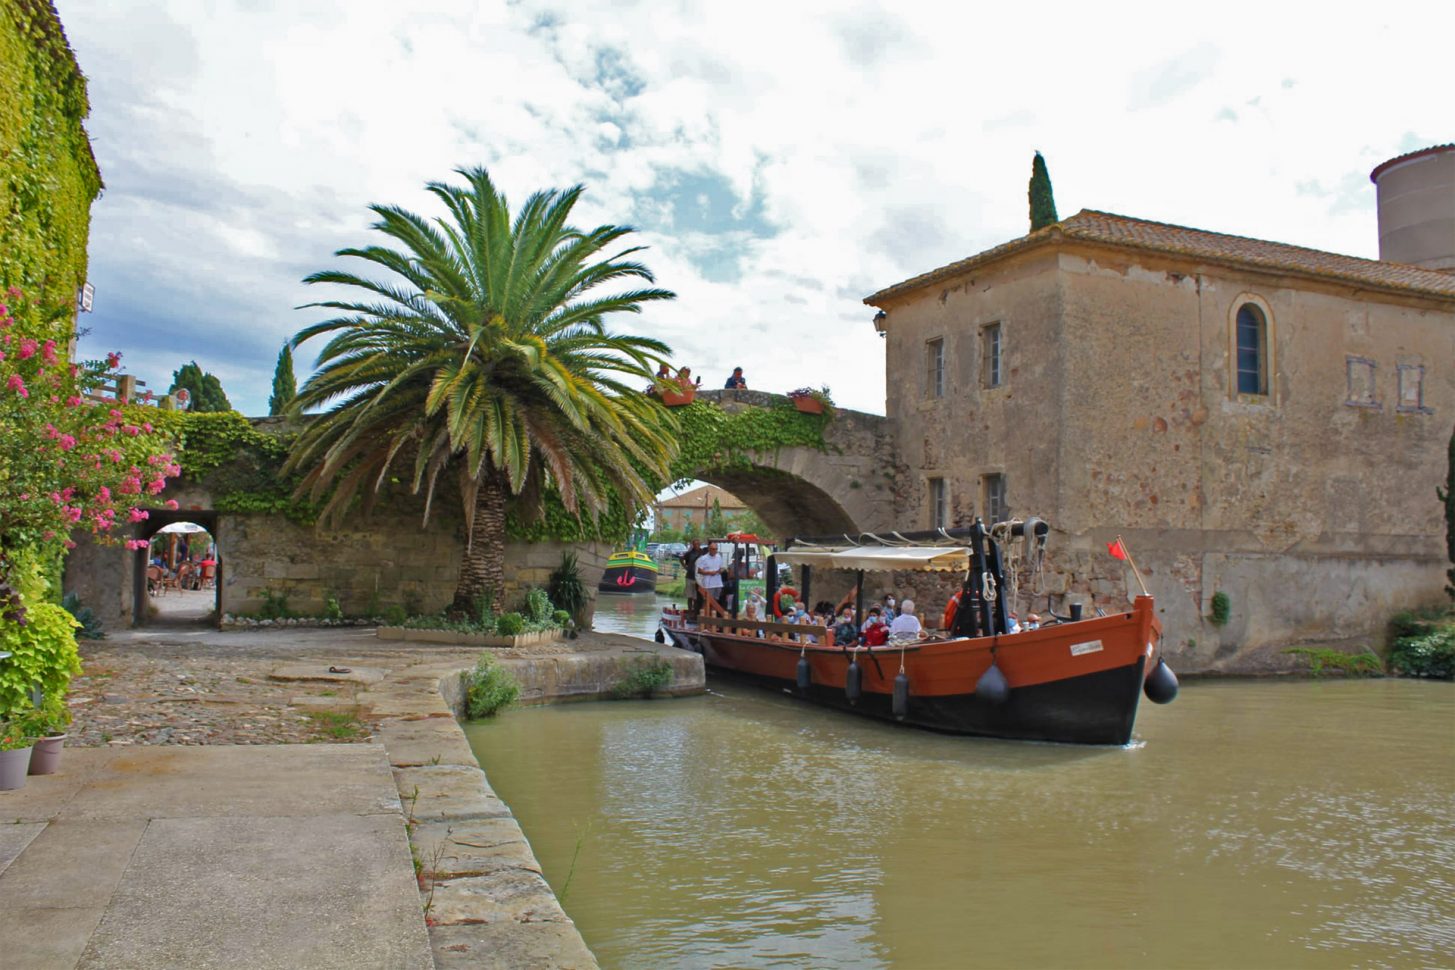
[901,696]
[805,674]
[854,682]
[1161,685]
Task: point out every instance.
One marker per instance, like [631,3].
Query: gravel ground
[197,686]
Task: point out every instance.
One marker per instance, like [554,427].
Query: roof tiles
[1108,229]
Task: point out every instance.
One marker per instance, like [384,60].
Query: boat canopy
[937,558]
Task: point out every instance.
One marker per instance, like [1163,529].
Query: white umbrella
[182,527]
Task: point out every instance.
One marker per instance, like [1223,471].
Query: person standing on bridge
[736,382]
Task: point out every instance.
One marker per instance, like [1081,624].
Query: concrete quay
[295,855]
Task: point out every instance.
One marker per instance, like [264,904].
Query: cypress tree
[204,388]
[1043,203]
[285,388]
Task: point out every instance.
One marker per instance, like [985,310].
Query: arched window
[1252,350]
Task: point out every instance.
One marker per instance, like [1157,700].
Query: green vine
[48,176]
[712,438]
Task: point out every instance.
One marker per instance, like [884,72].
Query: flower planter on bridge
[466,639]
[676,399]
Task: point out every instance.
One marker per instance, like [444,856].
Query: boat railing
[771,630]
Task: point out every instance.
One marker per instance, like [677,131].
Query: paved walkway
[257,857]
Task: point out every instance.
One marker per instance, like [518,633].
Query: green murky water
[1252,824]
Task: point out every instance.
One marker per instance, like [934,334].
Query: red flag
[1116,548]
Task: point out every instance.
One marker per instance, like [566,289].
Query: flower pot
[13,766]
[675,399]
[46,758]
[808,405]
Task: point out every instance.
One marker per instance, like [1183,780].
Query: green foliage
[90,627]
[561,618]
[489,688]
[1222,608]
[48,176]
[509,624]
[275,604]
[1430,654]
[43,653]
[1320,659]
[644,678]
[710,439]
[1447,496]
[538,607]
[339,725]
[396,615]
[285,386]
[237,464]
[204,387]
[485,611]
[331,608]
[1043,201]
[566,589]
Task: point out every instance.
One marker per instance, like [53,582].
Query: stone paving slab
[44,796]
[473,847]
[506,895]
[14,838]
[447,793]
[261,780]
[425,741]
[498,946]
[346,674]
[262,893]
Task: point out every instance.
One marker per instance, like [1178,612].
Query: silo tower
[1416,195]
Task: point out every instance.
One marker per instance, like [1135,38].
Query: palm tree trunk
[482,569]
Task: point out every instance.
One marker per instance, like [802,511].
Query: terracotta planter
[808,405]
[675,399]
[13,766]
[46,758]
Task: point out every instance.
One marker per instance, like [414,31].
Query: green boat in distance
[629,571]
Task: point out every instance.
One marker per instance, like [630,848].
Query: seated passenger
[1033,622]
[889,611]
[876,631]
[846,632]
[906,625]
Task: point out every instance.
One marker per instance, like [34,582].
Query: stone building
[695,506]
[1257,419]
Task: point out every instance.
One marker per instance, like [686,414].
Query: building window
[1252,350]
[939,504]
[990,357]
[1412,389]
[1359,373]
[994,504]
[935,368]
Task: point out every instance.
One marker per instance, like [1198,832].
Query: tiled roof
[694,499]
[1107,229]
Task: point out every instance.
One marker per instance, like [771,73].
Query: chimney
[1416,195]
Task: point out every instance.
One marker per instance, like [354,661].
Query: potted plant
[15,747]
[811,401]
[48,727]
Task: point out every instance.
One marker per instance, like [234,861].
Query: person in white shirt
[709,573]
[906,625]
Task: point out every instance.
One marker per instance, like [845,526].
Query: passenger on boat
[689,569]
[1033,622]
[1012,622]
[709,573]
[846,632]
[889,611]
[876,631]
[906,625]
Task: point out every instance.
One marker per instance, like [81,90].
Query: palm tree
[490,360]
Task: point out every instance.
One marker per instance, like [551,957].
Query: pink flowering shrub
[67,462]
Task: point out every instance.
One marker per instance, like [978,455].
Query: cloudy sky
[782,160]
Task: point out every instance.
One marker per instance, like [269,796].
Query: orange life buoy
[951,608]
[778,600]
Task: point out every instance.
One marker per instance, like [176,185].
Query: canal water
[1259,824]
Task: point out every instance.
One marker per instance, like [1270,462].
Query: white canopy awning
[936,558]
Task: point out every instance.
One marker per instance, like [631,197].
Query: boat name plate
[1089,646]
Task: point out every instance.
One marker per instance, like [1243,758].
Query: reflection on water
[1252,824]
[634,614]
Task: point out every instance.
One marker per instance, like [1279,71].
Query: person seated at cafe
[906,625]
[875,630]
[736,382]
[846,631]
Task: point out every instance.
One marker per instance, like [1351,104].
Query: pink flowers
[67,442]
[139,515]
[17,384]
[27,348]
[113,360]
[171,503]
[136,543]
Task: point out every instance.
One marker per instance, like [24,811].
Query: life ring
[951,608]
[778,599]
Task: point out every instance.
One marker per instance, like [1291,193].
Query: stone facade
[1117,412]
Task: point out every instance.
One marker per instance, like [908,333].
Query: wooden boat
[629,571]
[1072,680]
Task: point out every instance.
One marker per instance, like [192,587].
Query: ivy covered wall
[48,176]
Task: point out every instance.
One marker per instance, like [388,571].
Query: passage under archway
[787,504]
[178,574]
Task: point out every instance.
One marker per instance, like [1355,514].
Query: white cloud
[860,145]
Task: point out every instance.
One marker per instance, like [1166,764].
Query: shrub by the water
[489,689]
[1321,660]
[1431,655]
[645,678]
[538,605]
[509,624]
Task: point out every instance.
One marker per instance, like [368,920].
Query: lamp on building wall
[881,323]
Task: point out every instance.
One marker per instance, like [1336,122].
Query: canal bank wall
[485,898]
